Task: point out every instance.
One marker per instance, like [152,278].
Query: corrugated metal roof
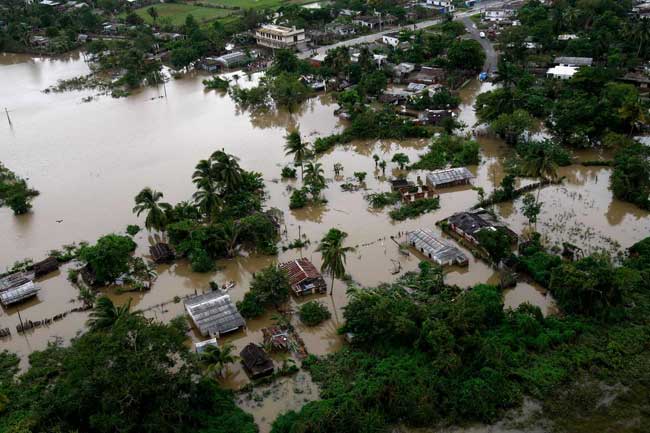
[214,313]
[573,61]
[19,293]
[13,280]
[449,175]
[426,242]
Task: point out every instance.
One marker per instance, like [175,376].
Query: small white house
[391,39]
[444,5]
[562,72]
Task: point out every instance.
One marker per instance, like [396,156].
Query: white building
[562,72]
[274,36]
[391,39]
[444,5]
[497,14]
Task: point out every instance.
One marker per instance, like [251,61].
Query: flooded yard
[89,160]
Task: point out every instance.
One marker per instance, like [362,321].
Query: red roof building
[304,277]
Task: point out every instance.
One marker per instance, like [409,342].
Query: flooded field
[89,160]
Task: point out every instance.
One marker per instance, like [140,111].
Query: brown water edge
[89,161]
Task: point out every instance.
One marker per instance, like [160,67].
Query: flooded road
[89,160]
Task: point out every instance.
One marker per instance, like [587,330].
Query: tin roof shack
[234,59]
[449,177]
[637,78]
[415,193]
[433,117]
[46,266]
[13,280]
[401,184]
[304,278]
[467,224]
[425,241]
[428,75]
[573,61]
[161,253]
[255,361]
[214,314]
[19,293]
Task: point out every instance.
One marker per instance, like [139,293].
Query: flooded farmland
[89,160]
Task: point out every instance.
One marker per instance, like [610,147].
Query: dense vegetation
[14,192]
[270,287]
[425,353]
[126,374]
[313,313]
[451,150]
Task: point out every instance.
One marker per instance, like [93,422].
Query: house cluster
[495,18]
[215,315]
[463,226]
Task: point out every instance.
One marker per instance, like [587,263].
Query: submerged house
[18,293]
[449,177]
[46,266]
[255,361]
[214,314]
[161,252]
[426,242]
[467,224]
[13,280]
[304,278]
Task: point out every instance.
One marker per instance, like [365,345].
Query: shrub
[298,199]
[132,229]
[313,313]
[288,173]
[415,209]
[109,258]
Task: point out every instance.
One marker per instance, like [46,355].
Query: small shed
[573,61]
[214,314]
[433,117]
[400,184]
[449,177]
[426,242]
[202,345]
[161,252]
[255,361]
[46,266]
[13,280]
[304,278]
[18,293]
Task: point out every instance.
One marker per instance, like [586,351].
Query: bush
[132,229]
[298,199]
[288,173]
[313,313]
[109,258]
[449,149]
[415,209]
[381,199]
[270,286]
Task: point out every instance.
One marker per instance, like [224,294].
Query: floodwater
[89,160]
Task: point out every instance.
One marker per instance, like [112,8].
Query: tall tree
[214,359]
[106,314]
[226,171]
[334,254]
[148,200]
[315,178]
[298,148]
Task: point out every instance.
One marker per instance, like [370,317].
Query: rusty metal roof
[299,270]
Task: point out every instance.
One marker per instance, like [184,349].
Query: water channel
[89,160]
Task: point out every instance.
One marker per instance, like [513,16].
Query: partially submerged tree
[334,254]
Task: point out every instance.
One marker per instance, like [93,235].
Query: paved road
[377,36]
[491,56]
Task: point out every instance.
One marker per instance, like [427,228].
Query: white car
[482,35]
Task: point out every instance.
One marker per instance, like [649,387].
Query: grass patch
[177,12]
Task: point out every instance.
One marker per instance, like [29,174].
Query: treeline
[126,373]
[425,353]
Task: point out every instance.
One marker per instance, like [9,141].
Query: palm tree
[376,158]
[334,254]
[382,165]
[539,162]
[401,159]
[203,171]
[298,148]
[640,33]
[315,179]
[148,200]
[215,358]
[106,314]
[226,170]
[207,197]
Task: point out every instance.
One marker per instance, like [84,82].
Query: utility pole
[22,326]
[8,118]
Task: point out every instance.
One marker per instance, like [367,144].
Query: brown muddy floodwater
[89,160]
